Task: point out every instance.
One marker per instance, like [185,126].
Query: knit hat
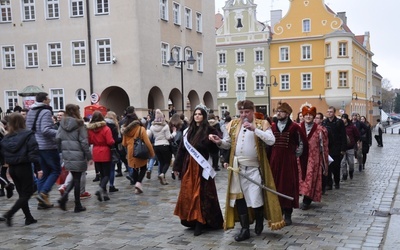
[159,116]
[245,104]
[309,110]
[286,108]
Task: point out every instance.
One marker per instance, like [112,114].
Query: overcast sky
[381,18]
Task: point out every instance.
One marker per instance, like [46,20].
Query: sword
[261,185]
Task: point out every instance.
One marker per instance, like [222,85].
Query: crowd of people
[273,162]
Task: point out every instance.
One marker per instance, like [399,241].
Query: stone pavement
[362,214]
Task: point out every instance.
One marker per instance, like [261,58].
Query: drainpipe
[89,47]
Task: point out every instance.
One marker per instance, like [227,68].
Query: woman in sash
[197,204]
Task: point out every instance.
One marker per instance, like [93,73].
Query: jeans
[50,163]
[112,174]
[348,159]
[150,164]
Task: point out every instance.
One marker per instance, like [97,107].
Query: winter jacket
[129,133]
[336,135]
[19,148]
[45,131]
[72,140]
[100,137]
[161,133]
[352,134]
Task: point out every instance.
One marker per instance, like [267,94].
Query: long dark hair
[130,118]
[196,133]
[97,117]
[16,123]
[72,110]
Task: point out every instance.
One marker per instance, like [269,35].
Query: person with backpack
[352,137]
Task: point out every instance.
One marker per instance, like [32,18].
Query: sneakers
[138,188]
[162,179]
[113,189]
[44,200]
[85,195]
[148,174]
[61,190]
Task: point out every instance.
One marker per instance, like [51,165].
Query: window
[343,49]
[328,50]
[239,23]
[328,80]
[8,57]
[52,9]
[55,54]
[104,51]
[5,10]
[223,110]
[241,85]
[57,99]
[78,53]
[221,58]
[342,79]
[306,81]
[102,7]
[260,83]
[76,8]
[284,54]
[259,56]
[31,56]
[177,13]
[188,65]
[28,10]
[188,18]
[11,99]
[285,82]
[306,25]
[164,54]
[199,22]
[306,52]
[80,95]
[164,10]
[222,84]
[240,57]
[200,62]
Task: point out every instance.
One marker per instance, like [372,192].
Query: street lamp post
[181,62]
[269,92]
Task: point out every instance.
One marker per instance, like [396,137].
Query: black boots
[259,214]
[79,207]
[198,228]
[351,174]
[63,202]
[288,216]
[245,231]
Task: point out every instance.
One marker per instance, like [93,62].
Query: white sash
[207,169]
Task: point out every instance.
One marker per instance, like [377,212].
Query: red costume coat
[283,162]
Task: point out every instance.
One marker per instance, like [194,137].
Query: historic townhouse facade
[242,57]
[319,61]
[118,50]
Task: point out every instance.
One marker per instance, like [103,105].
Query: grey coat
[72,139]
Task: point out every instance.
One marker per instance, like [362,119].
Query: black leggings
[139,173]
[164,156]
[76,185]
[104,168]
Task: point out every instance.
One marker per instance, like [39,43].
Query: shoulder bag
[140,149]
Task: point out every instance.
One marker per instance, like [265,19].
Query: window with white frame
[102,7]
[328,80]
[259,56]
[28,10]
[176,10]
[199,22]
[200,62]
[306,81]
[104,51]
[285,82]
[164,10]
[328,50]
[164,53]
[31,56]
[78,53]
[80,95]
[343,49]
[222,84]
[306,52]
[284,54]
[188,18]
[76,8]
[240,57]
[260,82]
[306,25]
[8,57]
[222,58]
[55,54]
[5,10]
[57,99]
[223,110]
[189,66]
[342,79]
[52,9]
[11,99]
[241,84]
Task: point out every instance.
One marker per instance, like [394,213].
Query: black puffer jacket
[19,148]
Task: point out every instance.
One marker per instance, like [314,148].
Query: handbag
[115,157]
[140,149]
